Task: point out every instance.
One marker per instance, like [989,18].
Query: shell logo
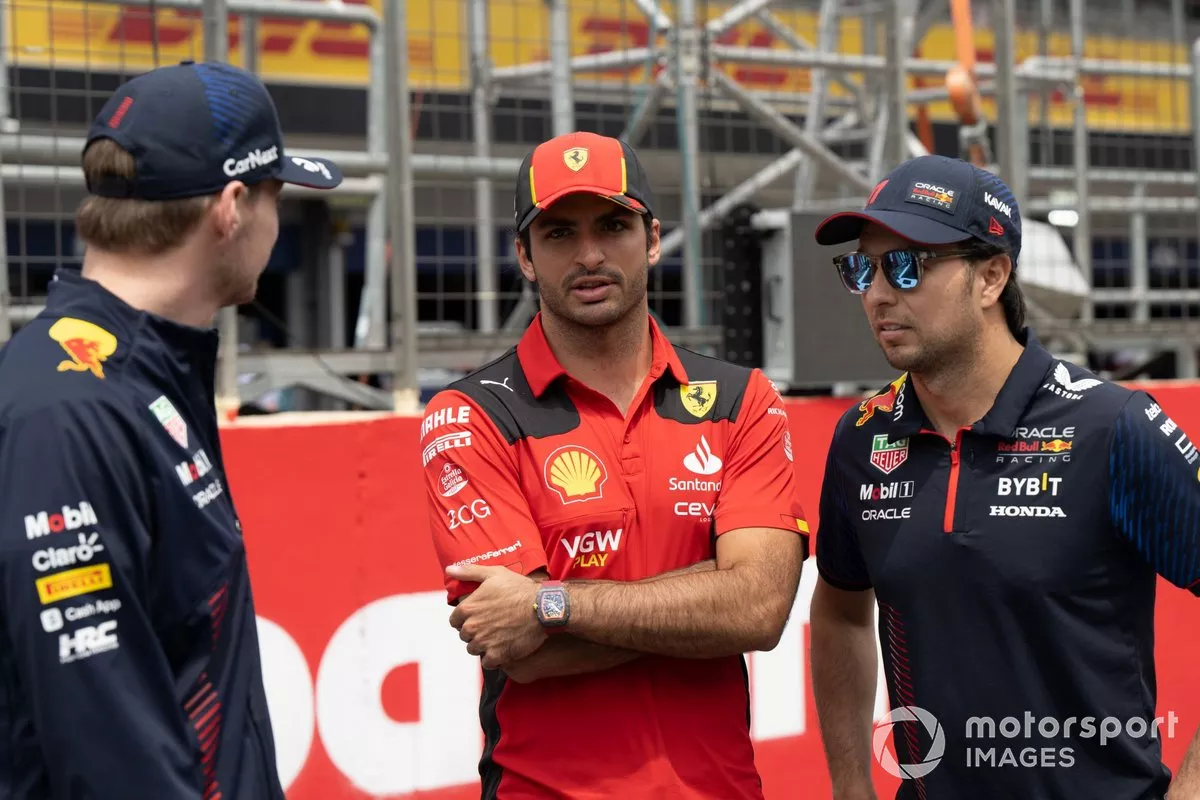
[575,474]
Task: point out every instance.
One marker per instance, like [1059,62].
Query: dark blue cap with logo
[193,128]
[935,200]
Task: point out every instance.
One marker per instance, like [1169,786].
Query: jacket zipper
[952,488]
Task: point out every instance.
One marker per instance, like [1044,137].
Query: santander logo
[702,461]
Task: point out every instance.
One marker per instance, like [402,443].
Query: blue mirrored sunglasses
[901,268]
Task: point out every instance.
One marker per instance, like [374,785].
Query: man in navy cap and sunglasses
[1010,513]
[129,654]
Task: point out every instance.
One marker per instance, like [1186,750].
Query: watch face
[553,604]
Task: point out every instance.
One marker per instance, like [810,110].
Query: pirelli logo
[74,582]
[443,443]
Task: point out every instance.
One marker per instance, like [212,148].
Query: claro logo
[399,646]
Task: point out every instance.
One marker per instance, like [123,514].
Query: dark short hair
[1012,299]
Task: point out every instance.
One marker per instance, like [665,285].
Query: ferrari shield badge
[698,398]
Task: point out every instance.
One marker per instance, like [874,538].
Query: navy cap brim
[848,225]
[316,173]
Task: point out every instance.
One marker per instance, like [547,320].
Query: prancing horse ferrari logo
[575,158]
[698,398]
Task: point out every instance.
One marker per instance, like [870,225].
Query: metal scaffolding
[697,64]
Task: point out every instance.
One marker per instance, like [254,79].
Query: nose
[590,254]
[880,293]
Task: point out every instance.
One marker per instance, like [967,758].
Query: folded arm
[569,655]
[741,605]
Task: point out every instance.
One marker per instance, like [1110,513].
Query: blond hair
[126,224]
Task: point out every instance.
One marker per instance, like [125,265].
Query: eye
[558,233]
[615,225]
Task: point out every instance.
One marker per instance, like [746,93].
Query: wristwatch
[553,606]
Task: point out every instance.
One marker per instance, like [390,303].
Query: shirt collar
[72,295]
[541,368]
[1010,405]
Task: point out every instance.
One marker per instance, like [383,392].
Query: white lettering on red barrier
[381,756]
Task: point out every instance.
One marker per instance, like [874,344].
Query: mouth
[591,290]
[590,283]
[889,330]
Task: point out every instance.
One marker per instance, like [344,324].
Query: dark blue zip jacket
[129,660]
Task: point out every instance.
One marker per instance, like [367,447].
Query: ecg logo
[887,758]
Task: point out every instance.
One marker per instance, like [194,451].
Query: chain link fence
[779,104]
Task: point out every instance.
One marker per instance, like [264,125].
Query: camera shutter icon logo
[887,757]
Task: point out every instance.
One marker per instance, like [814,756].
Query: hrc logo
[575,474]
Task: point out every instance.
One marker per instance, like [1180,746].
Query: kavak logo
[166,413]
[575,158]
[887,456]
[698,398]
[86,343]
[576,474]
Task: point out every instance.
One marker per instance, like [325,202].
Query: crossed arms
[737,603]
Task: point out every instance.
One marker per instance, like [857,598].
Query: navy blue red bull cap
[935,200]
[193,128]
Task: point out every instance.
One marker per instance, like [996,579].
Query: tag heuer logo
[887,456]
[171,420]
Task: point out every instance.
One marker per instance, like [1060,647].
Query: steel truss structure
[875,111]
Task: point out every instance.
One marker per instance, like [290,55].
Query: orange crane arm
[960,80]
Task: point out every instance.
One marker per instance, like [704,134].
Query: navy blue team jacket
[1015,567]
[129,660]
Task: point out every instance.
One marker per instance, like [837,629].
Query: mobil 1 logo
[893,490]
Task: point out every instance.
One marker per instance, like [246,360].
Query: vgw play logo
[886,756]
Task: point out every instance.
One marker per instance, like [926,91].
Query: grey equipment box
[815,333]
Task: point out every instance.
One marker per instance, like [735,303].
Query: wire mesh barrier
[779,106]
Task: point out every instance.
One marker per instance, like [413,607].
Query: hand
[497,620]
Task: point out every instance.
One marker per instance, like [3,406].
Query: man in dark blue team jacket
[129,661]
[1010,513]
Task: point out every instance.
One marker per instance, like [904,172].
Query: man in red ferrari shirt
[617,517]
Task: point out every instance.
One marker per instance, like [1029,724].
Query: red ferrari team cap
[580,162]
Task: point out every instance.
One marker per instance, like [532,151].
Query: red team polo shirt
[530,469]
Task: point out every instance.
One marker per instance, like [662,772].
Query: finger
[475,648]
[472,573]
[491,660]
[465,635]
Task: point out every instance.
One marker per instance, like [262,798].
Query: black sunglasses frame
[890,264]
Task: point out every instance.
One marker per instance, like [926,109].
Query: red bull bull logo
[87,344]
[884,401]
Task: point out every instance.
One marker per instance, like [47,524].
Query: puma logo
[503,383]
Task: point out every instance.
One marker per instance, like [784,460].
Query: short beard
[946,356]
[634,293]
